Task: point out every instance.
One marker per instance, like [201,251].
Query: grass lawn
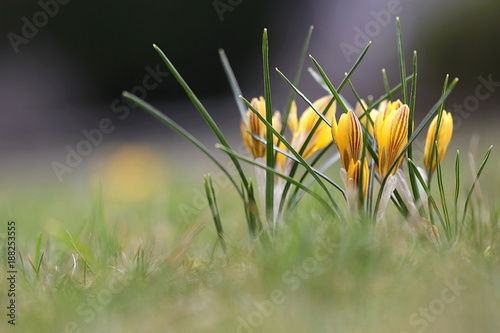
[103,263]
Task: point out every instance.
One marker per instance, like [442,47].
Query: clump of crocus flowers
[253,131]
[385,129]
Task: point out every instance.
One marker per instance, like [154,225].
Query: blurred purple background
[68,74]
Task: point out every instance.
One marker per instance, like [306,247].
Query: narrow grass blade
[457,188]
[469,193]
[269,134]
[386,84]
[442,193]
[413,96]
[411,118]
[197,103]
[235,88]
[181,131]
[21,260]
[214,209]
[40,262]
[402,67]
[98,224]
[251,208]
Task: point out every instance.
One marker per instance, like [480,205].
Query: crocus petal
[276,122]
[348,138]
[247,139]
[383,114]
[392,136]
[443,139]
[280,158]
[389,187]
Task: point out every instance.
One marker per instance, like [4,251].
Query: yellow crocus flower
[384,112]
[391,133]
[301,128]
[255,126]
[348,137]
[443,139]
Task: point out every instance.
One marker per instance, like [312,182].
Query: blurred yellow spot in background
[131,173]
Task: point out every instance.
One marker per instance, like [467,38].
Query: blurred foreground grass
[117,261]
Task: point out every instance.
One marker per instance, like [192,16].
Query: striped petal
[348,137]
[443,139]
[392,136]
